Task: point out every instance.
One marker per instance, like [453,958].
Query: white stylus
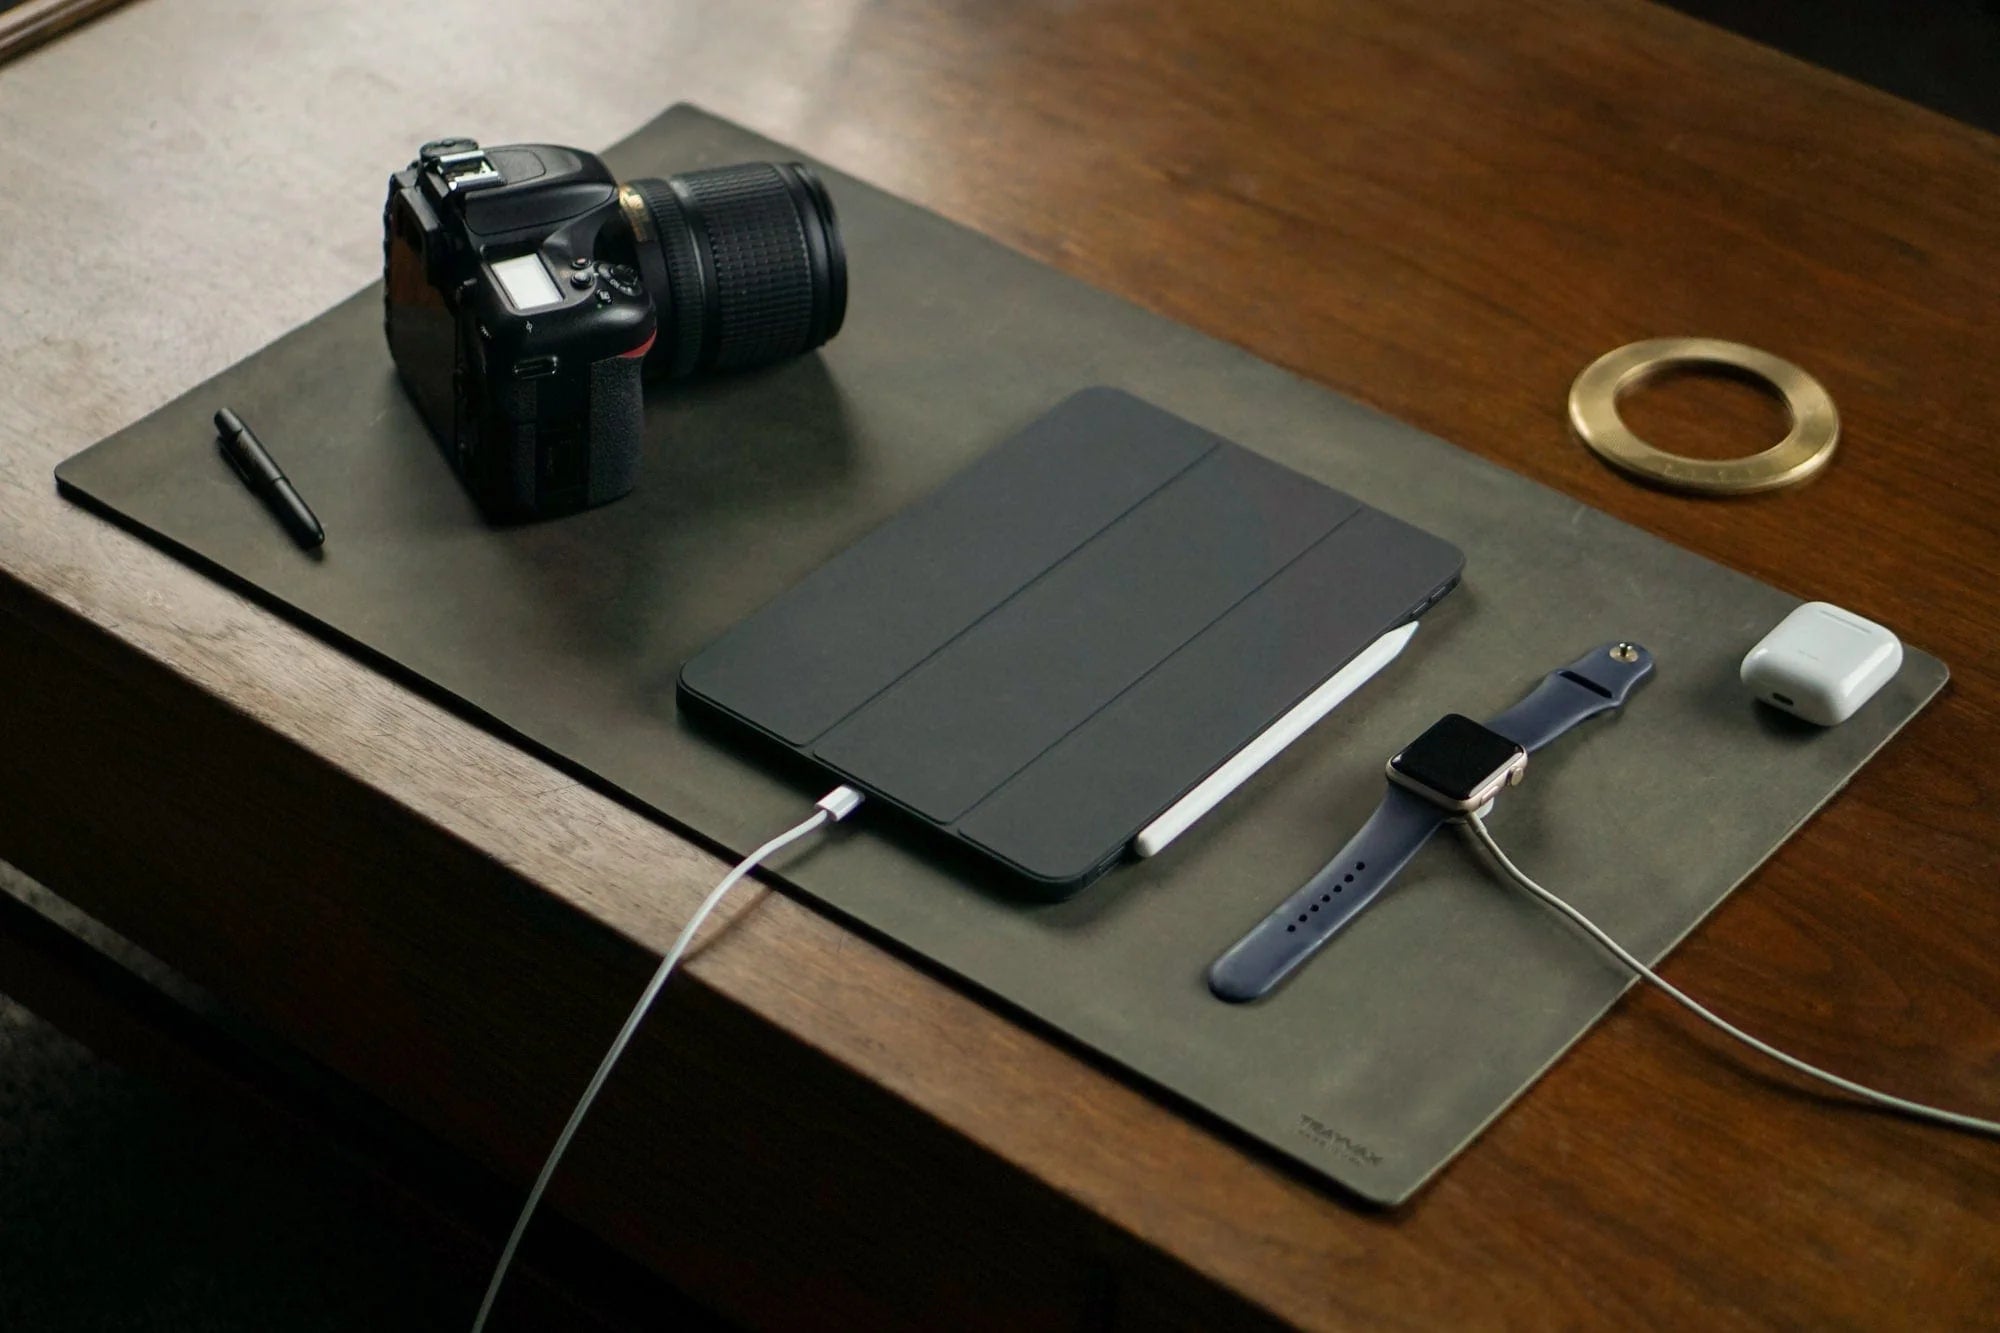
[1205,795]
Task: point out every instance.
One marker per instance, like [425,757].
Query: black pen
[262,475]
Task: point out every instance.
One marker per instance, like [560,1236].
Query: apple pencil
[1205,795]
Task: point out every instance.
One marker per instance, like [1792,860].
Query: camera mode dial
[621,278]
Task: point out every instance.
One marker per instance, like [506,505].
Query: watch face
[1456,757]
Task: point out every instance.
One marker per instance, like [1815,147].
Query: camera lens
[744,263]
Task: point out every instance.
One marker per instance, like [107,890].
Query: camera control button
[581,281]
[581,261]
[621,277]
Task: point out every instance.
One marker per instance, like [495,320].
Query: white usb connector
[840,802]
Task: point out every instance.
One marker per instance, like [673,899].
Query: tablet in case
[1047,652]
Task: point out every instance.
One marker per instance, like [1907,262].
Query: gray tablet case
[1372,1066]
[1044,654]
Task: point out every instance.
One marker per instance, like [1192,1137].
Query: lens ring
[814,237]
[763,266]
[702,239]
[827,255]
[646,250]
[678,278]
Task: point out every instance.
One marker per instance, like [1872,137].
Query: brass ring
[1593,412]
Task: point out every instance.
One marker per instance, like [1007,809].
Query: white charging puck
[1822,663]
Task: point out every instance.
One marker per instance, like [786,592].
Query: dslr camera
[527,291]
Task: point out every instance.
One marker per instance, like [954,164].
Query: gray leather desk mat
[1382,1058]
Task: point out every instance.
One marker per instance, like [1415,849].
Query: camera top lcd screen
[527,283]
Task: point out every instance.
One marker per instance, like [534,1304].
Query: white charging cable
[833,807]
[1907,1107]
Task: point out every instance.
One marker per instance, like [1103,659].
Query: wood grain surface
[1444,209]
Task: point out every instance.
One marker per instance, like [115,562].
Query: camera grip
[617,422]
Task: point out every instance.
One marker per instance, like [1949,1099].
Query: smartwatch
[1456,767]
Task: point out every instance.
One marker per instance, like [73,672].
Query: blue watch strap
[1309,918]
[1597,682]
[1600,680]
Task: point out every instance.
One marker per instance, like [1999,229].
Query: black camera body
[526,292]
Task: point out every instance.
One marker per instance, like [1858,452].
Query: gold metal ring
[1593,412]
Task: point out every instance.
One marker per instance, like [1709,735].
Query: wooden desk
[1445,209]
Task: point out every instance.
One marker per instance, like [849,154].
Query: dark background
[1943,54]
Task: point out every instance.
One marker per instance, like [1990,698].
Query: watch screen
[1455,756]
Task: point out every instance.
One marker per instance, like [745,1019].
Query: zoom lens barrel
[744,262]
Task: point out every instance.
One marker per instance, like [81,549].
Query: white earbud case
[1822,663]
